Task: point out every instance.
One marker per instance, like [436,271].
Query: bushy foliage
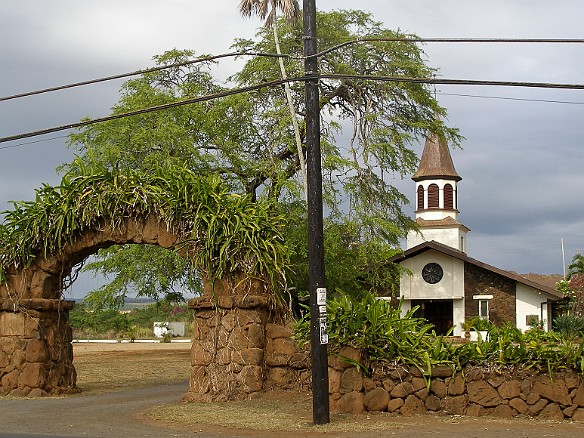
[248,139]
[104,323]
[136,323]
[571,327]
[384,337]
[222,233]
[352,265]
[128,267]
[381,334]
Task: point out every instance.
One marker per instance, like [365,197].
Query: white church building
[447,285]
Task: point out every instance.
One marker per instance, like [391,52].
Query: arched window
[420,198]
[448,197]
[433,196]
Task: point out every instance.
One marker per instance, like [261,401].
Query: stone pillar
[36,355]
[229,340]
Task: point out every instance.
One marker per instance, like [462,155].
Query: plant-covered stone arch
[234,243]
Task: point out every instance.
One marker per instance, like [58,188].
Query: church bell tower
[437,198]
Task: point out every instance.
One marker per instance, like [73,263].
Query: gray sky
[521,162]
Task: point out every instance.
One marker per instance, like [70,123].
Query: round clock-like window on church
[432,273]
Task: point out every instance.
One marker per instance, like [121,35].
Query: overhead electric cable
[521,99]
[293,79]
[455,81]
[275,55]
[149,109]
[139,72]
[31,142]
[448,40]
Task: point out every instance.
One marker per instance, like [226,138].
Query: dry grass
[113,367]
[285,413]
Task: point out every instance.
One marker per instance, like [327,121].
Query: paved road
[116,414]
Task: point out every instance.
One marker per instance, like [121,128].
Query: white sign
[322,331]
[321,296]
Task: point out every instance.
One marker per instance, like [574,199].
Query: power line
[439,93]
[151,109]
[449,40]
[139,72]
[275,55]
[456,81]
[521,99]
[31,142]
[293,79]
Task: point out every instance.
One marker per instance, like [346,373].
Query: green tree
[267,9]
[576,266]
[368,131]
[379,121]
[130,270]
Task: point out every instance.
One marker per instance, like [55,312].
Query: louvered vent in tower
[420,198]
[433,196]
[448,197]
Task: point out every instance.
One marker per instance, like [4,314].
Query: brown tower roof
[436,161]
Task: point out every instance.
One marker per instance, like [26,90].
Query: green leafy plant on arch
[223,234]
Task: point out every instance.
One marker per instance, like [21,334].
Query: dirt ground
[83,348]
[135,390]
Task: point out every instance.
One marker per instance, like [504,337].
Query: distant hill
[546,280]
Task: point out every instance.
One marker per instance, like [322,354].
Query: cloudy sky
[521,162]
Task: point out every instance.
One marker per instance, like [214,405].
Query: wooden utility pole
[318,334]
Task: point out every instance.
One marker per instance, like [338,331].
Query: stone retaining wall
[474,392]
[238,351]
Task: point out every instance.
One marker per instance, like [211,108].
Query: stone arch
[44,277]
[234,242]
[36,353]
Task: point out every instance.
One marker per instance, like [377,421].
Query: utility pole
[316,286]
[563,258]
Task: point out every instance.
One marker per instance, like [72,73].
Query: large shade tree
[369,129]
[267,9]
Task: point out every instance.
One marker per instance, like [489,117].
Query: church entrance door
[437,312]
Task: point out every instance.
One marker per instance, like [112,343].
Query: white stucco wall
[446,236]
[413,287]
[451,287]
[529,301]
[458,317]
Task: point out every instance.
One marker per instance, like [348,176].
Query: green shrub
[136,324]
[383,337]
[376,329]
[571,327]
[477,323]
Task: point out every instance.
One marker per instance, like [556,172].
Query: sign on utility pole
[318,334]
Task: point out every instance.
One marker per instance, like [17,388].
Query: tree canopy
[369,129]
[576,266]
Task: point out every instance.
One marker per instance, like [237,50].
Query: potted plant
[477,326]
